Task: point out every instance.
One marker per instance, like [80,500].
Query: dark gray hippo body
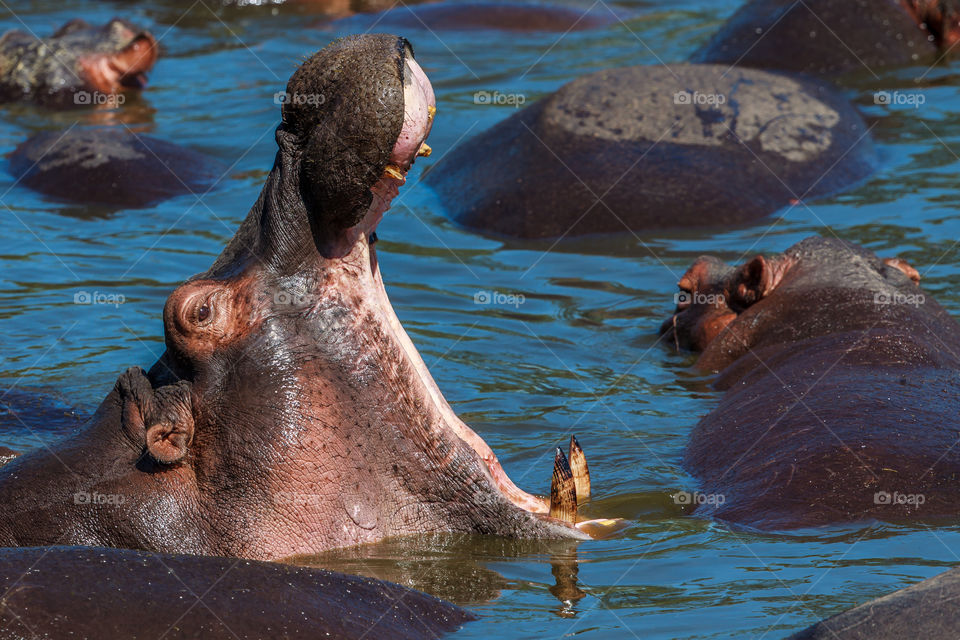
[928,610]
[484,15]
[655,148]
[108,594]
[841,379]
[110,167]
[825,37]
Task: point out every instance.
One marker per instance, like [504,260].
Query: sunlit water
[579,355]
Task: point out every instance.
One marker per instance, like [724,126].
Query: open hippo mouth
[306,401]
[132,54]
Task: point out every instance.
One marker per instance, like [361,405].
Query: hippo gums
[77,65]
[840,379]
[290,412]
[834,36]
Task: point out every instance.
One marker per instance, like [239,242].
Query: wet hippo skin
[110,167]
[64,70]
[290,412]
[648,147]
[841,383]
[109,594]
[485,15]
[928,610]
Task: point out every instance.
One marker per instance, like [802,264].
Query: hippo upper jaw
[123,69]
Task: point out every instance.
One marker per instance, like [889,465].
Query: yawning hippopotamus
[104,594]
[79,65]
[834,36]
[841,380]
[290,413]
[652,148]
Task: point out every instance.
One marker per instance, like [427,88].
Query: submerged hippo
[77,592]
[110,166]
[655,148]
[929,609]
[841,379]
[290,413]
[834,36]
[79,65]
[486,15]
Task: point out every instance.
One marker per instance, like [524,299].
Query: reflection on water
[579,355]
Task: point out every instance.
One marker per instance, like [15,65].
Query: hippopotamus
[840,379]
[110,166]
[290,412]
[644,148]
[929,609]
[79,65]
[485,15]
[829,37]
[78,592]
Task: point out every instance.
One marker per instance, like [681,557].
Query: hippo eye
[203,312]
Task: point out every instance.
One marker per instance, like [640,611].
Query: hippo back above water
[643,148]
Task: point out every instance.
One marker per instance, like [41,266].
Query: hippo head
[290,403]
[940,17]
[78,58]
[718,311]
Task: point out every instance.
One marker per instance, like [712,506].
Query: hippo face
[712,295]
[290,400]
[940,17]
[77,58]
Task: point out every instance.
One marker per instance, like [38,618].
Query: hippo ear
[77,24]
[752,282]
[168,439]
[903,266]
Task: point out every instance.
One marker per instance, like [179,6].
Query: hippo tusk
[563,490]
[431,111]
[581,472]
[424,151]
[395,173]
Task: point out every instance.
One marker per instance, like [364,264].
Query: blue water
[579,355]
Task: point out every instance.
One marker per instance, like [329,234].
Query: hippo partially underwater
[287,372]
[841,383]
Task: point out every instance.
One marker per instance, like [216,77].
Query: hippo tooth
[431,111]
[395,173]
[424,150]
[563,490]
[581,472]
